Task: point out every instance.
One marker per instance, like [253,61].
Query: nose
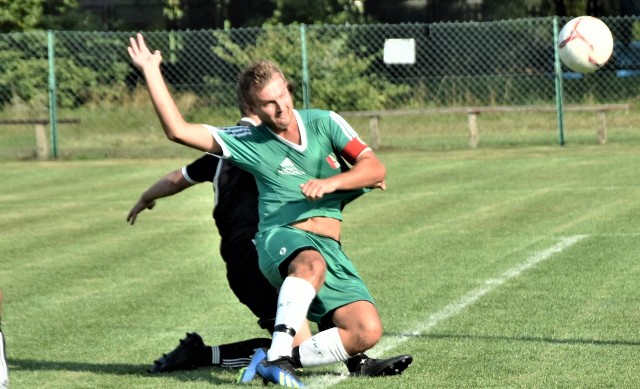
[279,106]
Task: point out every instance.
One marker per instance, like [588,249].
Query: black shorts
[247,282]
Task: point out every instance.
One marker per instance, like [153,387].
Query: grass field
[494,267]
[136,132]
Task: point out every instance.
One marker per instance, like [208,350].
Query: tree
[501,10]
[173,13]
[202,14]
[20,15]
[28,15]
[428,11]
[577,7]
[333,64]
[318,11]
[249,13]
[66,15]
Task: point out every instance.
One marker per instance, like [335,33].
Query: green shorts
[342,283]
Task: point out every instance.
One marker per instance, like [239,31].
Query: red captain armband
[353,149]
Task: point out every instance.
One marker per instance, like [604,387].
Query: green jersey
[280,166]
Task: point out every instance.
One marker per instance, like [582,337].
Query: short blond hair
[257,75]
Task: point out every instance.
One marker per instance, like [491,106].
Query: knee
[360,325]
[370,333]
[309,265]
[364,336]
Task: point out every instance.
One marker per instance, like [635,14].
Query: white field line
[389,343]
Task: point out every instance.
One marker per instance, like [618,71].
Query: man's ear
[247,107]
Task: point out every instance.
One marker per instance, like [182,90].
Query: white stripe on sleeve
[348,131]
[226,153]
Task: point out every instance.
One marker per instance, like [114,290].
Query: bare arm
[174,125]
[168,185]
[367,172]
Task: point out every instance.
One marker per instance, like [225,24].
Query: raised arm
[174,125]
[168,185]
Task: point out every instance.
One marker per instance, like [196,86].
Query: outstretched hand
[140,206]
[141,55]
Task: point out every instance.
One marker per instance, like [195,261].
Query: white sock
[322,349]
[294,299]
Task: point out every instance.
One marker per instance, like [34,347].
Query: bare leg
[359,326]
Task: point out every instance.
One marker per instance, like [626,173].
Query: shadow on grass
[539,339]
[204,374]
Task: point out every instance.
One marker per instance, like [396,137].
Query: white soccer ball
[585,44]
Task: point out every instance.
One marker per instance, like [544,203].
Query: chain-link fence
[88,77]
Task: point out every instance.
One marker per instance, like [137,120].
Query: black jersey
[235,212]
[235,209]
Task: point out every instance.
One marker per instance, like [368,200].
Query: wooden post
[374,135]
[472,121]
[602,130]
[42,149]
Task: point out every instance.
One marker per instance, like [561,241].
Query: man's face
[273,105]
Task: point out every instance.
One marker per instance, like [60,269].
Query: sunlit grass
[90,301]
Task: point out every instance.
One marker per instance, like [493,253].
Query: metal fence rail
[88,75]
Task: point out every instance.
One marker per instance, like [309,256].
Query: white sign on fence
[400,51]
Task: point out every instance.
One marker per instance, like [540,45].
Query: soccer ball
[585,44]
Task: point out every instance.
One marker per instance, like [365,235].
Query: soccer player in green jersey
[301,193]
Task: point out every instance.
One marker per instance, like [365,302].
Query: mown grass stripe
[390,343]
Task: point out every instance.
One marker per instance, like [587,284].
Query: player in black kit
[236,216]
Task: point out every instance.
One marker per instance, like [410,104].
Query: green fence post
[53,119]
[173,47]
[305,70]
[558,78]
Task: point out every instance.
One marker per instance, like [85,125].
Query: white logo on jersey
[283,251]
[288,168]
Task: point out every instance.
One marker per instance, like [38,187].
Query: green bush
[341,78]
[83,73]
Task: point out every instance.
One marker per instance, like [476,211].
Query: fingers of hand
[313,190]
[140,42]
[131,218]
[138,49]
[133,46]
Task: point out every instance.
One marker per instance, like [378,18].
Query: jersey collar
[303,135]
[249,120]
